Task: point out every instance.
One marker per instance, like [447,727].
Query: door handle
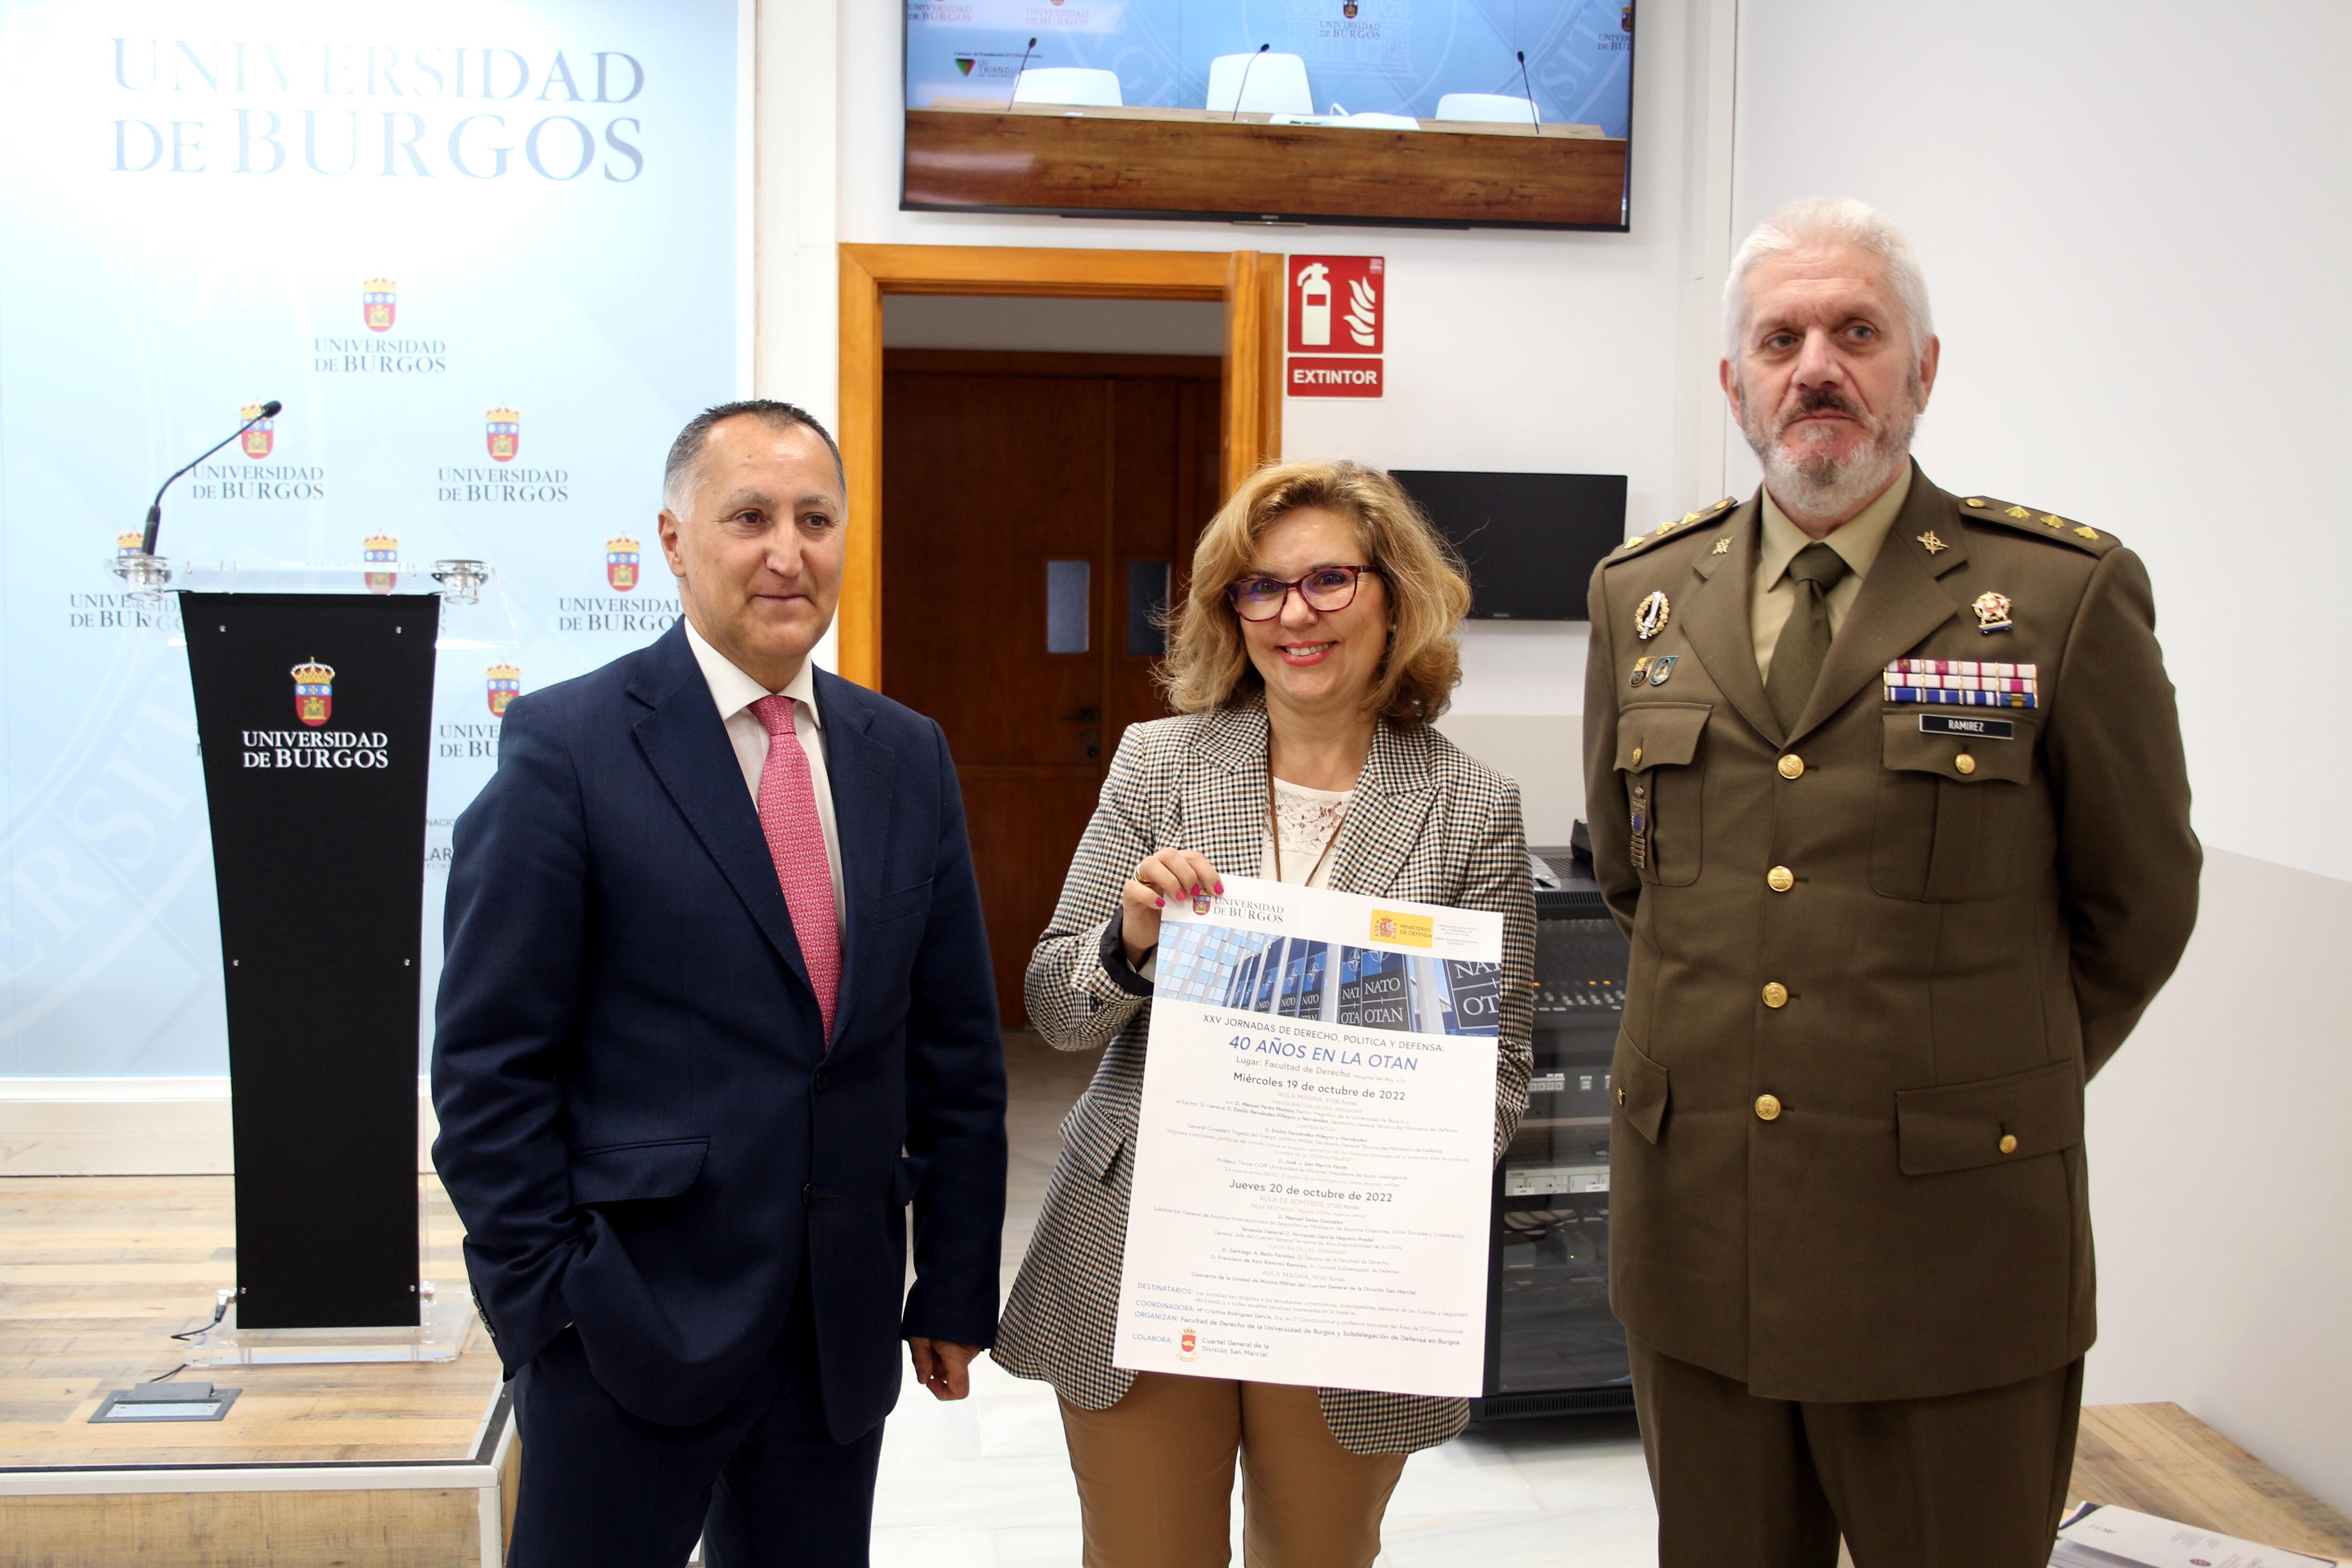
[1086,715]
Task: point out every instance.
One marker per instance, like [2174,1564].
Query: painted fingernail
[1159,903]
[1221,890]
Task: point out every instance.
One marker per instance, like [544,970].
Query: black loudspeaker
[315,714]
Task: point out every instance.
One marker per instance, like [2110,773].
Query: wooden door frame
[1248,283]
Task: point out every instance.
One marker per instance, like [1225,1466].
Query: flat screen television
[1531,541]
[1450,113]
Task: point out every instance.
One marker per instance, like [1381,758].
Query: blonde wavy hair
[1207,665]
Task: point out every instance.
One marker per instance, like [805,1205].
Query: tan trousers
[1155,1477]
[1968,1480]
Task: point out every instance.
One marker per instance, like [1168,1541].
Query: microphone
[1016,74]
[1243,88]
[1532,93]
[156,508]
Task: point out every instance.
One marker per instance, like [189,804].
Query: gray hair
[1810,221]
[681,474]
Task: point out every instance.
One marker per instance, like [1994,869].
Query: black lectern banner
[315,711]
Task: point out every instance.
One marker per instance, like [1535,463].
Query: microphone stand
[269,410]
[1016,74]
[1242,90]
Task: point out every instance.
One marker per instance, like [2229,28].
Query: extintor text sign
[1338,325]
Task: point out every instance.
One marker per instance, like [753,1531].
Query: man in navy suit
[716,1008]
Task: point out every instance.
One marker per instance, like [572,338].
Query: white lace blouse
[1308,820]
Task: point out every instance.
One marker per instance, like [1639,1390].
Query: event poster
[1314,1155]
[490,256]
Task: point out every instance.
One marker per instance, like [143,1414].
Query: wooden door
[1041,506]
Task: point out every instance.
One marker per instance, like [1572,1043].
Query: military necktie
[1805,640]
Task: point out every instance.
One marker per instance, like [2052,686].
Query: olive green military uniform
[1874,959]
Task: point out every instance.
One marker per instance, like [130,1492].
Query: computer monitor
[1531,541]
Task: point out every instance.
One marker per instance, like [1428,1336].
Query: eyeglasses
[1327,588]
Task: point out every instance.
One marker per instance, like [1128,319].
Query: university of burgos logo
[130,544]
[621,563]
[504,685]
[314,692]
[505,434]
[262,437]
[379,303]
[381,553]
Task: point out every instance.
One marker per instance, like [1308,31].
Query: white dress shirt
[734,692]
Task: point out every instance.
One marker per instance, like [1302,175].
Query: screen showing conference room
[1433,112]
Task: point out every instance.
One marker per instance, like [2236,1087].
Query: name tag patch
[1967,729]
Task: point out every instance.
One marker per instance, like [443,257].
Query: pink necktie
[796,843]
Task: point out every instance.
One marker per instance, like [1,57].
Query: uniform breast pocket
[1945,824]
[1659,751]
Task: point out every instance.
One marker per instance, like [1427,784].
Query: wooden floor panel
[98,1272]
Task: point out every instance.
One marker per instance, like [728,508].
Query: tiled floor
[984,1483]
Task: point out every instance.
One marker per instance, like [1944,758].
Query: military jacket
[1877,958]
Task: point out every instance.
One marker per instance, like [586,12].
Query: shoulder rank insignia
[1992,613]
[1675,527]
[1651,618]
[2042,525]
[1934,545]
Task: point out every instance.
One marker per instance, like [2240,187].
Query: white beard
[1821,485]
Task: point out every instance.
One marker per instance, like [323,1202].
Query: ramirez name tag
[1967,729]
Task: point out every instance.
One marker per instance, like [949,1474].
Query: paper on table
[2104,1536]
[1315,1150]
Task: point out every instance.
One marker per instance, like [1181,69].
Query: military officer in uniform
[1886,784]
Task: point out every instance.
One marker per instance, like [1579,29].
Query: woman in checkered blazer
[1314,645]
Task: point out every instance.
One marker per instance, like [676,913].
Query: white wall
[1508,350]
[2132,218]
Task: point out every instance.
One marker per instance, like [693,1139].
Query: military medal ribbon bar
[1967,682]
[1958,666]
[1962,699]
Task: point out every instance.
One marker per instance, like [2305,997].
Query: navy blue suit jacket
[641,1125]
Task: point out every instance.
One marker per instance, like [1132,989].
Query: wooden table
[1182,163]
[2159,1459]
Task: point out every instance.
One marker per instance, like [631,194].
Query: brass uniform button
[2009,1143]
[1637,756]
[1620,1097]
[1780,878]
[1767,1108]
[1965,763]
[1776,995]
[1792,766]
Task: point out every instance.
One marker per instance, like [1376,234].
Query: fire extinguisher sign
[1339,310]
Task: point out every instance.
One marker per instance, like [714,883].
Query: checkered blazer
[1427,824]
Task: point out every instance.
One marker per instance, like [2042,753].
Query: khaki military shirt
[1876,956]
[1771,595]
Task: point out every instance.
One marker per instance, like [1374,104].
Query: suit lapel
[1900,603]
[686,745]
[1716,624]
[865,787]
[1384,821]
[1224,790]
